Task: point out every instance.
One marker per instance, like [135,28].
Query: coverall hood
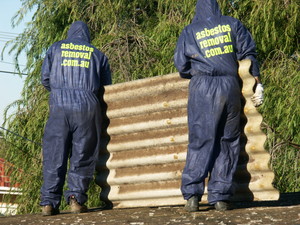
[79,30]
[205,9]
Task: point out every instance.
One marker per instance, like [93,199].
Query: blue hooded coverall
[207,52]
[73,71]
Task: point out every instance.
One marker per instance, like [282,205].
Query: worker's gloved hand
[258,96]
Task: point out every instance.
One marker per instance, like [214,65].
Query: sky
[11,85]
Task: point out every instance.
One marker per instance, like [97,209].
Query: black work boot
[222,206]
[192,204]
[48,210]
[76,207]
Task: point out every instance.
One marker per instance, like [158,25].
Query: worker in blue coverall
[74,72]
[207,52]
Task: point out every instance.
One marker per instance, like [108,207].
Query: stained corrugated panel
[143,153]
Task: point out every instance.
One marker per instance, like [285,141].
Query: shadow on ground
[285,199]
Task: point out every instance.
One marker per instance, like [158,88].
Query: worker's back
[212,43]
[74,69]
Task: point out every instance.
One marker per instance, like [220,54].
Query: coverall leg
[56,146]
[85,147]
[208,109]
[220,184]
[70,133]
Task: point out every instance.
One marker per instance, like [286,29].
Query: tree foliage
[274,24]
[139,38]
[281,113]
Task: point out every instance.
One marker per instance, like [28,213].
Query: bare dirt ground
[284,211]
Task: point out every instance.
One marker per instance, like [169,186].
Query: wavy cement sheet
[145,139]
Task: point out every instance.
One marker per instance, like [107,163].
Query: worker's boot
[48,210]
[76,207]
[192,204]
[222,206]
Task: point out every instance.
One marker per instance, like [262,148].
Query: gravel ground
[284,211]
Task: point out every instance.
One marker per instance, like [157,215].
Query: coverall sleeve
[181,61]
[46,69]
[246,48]
[106,76]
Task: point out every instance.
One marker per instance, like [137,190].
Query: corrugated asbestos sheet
[143,151]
